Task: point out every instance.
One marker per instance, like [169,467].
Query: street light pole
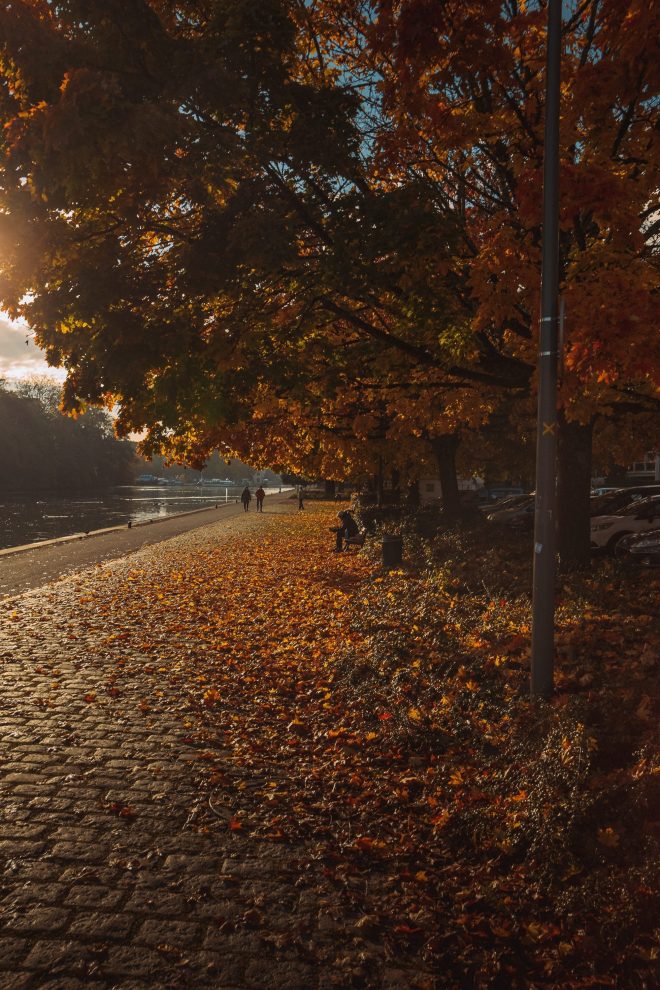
[543,601]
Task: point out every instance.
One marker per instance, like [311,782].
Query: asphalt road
[38,565]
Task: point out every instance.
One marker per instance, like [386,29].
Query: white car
[606,531]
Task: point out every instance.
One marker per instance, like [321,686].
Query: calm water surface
[28,520]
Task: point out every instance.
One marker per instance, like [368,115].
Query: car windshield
[640,505]
[614,502]
[603,497]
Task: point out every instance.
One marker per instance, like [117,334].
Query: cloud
[19,359]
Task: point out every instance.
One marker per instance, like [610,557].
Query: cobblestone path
[107,879]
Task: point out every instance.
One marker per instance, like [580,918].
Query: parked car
[509,502]
[519,511]
[611,502]
[608,530]
[643,550]
[498,492]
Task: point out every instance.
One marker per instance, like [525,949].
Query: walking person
[301,498]
[246,498]
[260,496]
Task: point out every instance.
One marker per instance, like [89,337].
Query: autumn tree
[185,228]
[461,104]
[208,210]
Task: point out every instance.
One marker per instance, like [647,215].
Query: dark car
[498,492]
[509,502]
[642,549]
[517,511]
[612,502]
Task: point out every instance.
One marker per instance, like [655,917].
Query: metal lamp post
[543,601]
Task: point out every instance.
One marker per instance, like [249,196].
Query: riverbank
[238,759]
[34,518]
[33,565]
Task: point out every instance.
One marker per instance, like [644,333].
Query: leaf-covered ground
[378,723]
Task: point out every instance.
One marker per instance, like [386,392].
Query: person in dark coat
[246,498]
[260,496]
[347,528]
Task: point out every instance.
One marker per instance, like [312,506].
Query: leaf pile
[378,722]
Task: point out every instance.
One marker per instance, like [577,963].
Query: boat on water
[226,482]
[152,479]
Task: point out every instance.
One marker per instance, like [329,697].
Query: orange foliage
[379,723]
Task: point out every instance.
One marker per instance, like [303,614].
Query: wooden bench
[355,541]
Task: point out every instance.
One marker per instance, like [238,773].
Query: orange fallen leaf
[211,697]
[121,810]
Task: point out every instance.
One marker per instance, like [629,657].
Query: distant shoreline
[74,492]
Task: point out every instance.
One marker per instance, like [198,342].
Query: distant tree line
[43,450]
[216,466]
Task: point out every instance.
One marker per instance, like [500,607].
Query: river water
[30,519]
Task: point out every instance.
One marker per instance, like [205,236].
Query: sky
[19,359]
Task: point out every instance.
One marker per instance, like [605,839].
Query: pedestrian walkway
[122,861]
[105,879]
[34,566]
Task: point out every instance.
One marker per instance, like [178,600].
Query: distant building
[430,488]
[647,469]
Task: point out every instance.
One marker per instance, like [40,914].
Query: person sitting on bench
[347,529]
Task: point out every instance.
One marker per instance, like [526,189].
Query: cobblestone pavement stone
[107,878]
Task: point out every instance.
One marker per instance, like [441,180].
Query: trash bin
[392,551]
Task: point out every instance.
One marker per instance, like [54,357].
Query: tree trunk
[380,485]
[445,448]
[396,485]
[330,489]
[412,497]
[573,518]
